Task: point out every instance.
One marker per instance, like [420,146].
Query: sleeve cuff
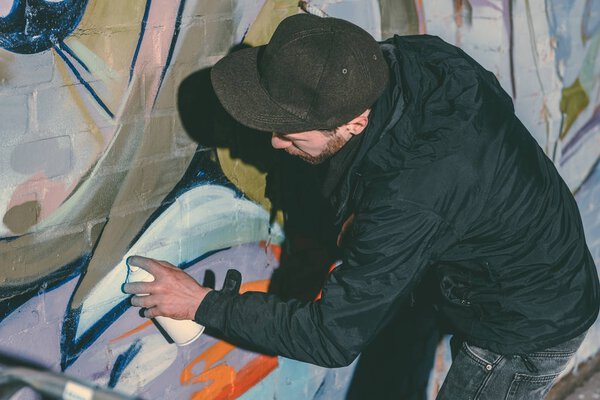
[211,311]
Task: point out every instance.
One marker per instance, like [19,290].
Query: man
[431,175]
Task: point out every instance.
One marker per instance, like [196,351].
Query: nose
[279,142]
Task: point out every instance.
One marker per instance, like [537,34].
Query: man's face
[313,147]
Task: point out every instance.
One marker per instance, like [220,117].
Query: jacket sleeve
[388,250]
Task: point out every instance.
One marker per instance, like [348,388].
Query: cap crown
[325,71]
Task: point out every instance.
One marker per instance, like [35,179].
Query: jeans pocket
[480,355]
[535,386]
[470,373]
[529,387]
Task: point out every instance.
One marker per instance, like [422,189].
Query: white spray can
[183,332]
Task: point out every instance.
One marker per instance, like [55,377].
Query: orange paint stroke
[222,377]
[438,368]
[458,6]
[421,16]
[224,382]
[255,286]
[274,249]
[213,354]
[252,373]
[331,268]
[138,328]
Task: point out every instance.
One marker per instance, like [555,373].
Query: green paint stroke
[573,101]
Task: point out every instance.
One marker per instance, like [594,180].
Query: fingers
[147,304]
[137,288]
[145,263]
[142,301]
[151,312]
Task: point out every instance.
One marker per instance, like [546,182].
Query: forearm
[293,328]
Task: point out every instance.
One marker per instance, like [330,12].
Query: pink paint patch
[155,45]
[50,194]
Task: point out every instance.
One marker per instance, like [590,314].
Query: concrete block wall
[94,162]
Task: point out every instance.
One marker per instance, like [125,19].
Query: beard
[334,145]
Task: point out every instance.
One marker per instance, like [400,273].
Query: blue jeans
[481,374]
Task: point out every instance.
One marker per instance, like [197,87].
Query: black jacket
[448,182]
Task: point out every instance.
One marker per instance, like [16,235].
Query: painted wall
[95,165]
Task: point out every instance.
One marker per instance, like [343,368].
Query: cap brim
[236,82]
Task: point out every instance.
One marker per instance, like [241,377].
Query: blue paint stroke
[71,348]
[34,26]
[123,360]
[70,52]
[139,43]
[172,47]
[321,389]
[558,21]
[82,81]
[14,296]
[201,170]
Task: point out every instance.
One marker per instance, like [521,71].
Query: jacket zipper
[342,207]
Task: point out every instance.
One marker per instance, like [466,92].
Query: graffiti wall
[98,163]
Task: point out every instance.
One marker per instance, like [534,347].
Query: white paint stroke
[155,356]
[204,219]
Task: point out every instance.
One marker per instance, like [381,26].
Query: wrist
[197,301]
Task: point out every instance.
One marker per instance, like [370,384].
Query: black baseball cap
[315,73]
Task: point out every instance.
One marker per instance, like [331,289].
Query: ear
[357,125]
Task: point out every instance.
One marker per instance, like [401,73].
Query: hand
[173,293]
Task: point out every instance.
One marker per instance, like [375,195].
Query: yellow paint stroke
[109,84]
[572,103]
[246,177]
[98,68]
[270,15]
[78,100]
[110,29]
[5,58]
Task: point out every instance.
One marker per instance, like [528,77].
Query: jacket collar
[341,174]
